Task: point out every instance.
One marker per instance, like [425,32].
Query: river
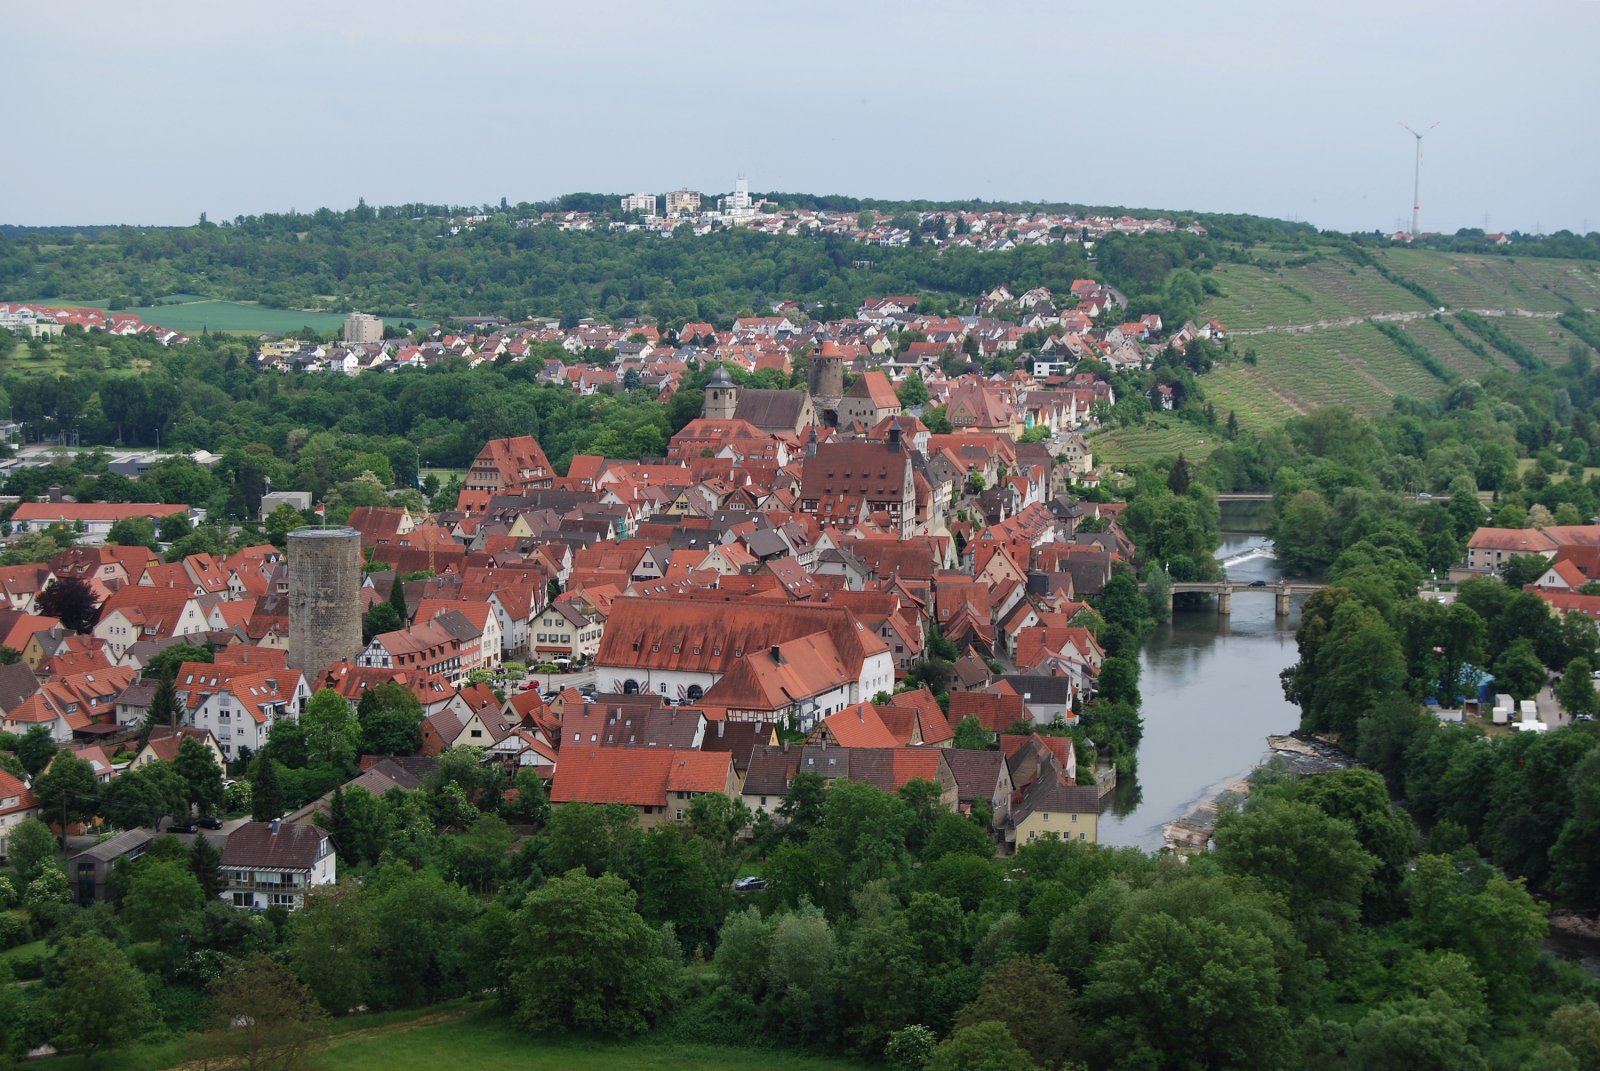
[1211,699]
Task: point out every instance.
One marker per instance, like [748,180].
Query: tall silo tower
[324,598]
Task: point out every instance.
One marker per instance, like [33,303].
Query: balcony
[248,885]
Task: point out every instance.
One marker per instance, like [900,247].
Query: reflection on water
[1211,698]
[1125,798]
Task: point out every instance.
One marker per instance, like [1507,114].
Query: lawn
[485,1044]
[27,951]
[475,1036]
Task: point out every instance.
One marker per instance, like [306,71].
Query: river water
[1211,699]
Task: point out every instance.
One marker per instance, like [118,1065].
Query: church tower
[722,396]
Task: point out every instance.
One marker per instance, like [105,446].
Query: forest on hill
[405,262]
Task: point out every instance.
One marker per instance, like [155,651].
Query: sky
[155,112]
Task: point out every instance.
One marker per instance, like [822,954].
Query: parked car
[530,686]
[183,827]
[208,821]
[750,884]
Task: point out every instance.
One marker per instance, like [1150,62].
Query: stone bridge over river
[1282,591]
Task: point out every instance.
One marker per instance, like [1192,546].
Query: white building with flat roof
[363,327]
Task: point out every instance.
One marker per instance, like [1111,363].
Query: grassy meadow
[191,314]
[486,1044]
[194,316]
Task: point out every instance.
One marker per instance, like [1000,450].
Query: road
[554,682]
[218,837]
[1383,317]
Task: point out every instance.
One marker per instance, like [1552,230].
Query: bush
[909,1048]
[236,798]
[14,929]
[181,1009]
[711,1012]
[30,968]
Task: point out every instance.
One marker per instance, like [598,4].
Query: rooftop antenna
[1416,180]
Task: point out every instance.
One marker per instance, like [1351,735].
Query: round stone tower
[722,396]
[827,381]
[324,598]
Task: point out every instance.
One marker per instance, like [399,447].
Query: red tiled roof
[637,777]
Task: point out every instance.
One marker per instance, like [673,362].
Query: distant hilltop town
[989,231]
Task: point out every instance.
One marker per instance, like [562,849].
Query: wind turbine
[1416,179]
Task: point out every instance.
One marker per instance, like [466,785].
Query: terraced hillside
[1354,366]
[1329,289]
[1548,341]
[1463,280]
[1452,351]
[1311,331]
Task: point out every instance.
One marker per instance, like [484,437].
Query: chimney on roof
[777,654]
[894,439]
[275,822]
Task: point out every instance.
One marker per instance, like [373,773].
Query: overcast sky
[157,111]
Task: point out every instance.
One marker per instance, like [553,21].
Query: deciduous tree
[1034,1002]
[333,940]
[68,791]
[197,765]
[986,1046]
[333,735]
[72,602]
[266,1021]
[97,1000]
[160,895]
[585,960]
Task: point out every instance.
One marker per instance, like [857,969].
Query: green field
[485,1044]
[192,314]
[475,1037]
[200,314]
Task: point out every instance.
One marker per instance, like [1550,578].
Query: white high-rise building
[362,327]
[640,202]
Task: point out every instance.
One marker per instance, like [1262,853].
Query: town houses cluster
[36,320]
[762,601]
[768,599]
[1042,333]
